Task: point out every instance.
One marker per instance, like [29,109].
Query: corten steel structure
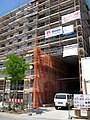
[47,71]
[40,31]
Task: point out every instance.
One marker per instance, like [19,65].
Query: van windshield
[60,97]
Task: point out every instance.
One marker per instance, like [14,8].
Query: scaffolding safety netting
[47,70]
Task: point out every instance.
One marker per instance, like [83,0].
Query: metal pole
[69,117]
[30,113]
[30,67]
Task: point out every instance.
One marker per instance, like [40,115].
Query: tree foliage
[15,67]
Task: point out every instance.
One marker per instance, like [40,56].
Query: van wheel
[56,107]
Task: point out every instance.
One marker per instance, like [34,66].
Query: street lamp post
[30,113]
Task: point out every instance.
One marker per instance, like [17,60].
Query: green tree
[15,68]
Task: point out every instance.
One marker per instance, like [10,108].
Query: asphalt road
[41,114]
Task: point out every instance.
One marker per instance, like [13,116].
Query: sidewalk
[51,114]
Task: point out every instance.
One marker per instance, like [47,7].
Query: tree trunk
[3,97]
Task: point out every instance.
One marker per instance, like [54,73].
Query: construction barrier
[16,100]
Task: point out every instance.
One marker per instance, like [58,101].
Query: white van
[63,100]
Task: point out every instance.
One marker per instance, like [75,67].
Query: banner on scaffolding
[68,30]
[70,50]
[59,31]
[53,32]
[70,17]
[85,64]
[82,100]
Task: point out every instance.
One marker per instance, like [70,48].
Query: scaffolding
[23,30]
[47,71]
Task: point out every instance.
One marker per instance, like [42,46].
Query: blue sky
[9,5]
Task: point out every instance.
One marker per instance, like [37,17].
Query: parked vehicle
[63,100]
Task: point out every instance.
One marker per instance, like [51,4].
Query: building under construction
[53,36]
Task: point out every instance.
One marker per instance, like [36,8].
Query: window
[30,36]
[4,37]
[26,85]
[32,72]
[34,4]
[2,51]
[22,10]
[20,31]
[10,42]
[9,49]
[20,95]
[13,15]
[30,28]
[21,24]
[7,17]
[5,30]
[60,96]
[11,35]
[12,28]
[2,45]
[30,20]
[20,85]
[1,32]
[19,46]
[1,65]
[19,40]
[29,44]
[41,16]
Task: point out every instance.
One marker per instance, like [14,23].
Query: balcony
[53,2]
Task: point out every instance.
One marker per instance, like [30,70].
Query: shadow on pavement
[39,110]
